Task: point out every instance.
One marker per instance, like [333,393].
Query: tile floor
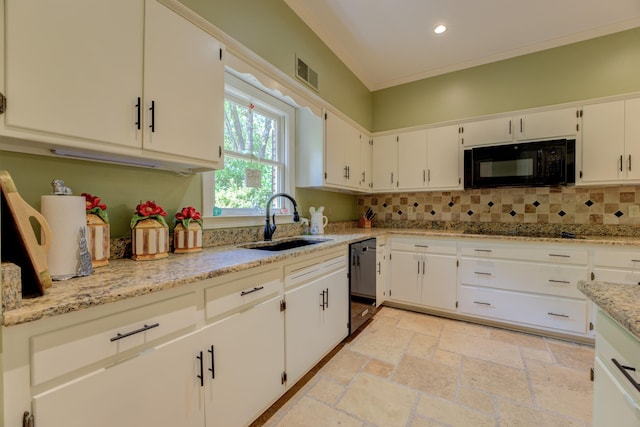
[410,369]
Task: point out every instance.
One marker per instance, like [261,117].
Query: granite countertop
[618,300]
[125,278]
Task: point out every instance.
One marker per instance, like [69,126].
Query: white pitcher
[318,221]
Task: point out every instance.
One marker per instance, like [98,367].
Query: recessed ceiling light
[440,29]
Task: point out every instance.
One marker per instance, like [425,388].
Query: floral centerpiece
[187,235]
[98,230]
[149,232]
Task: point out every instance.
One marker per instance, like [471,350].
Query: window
[258,159]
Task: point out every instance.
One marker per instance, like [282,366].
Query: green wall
[120,187]
[337,206]
[271,29]
[594,68]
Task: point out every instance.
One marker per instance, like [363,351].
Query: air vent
[306,74]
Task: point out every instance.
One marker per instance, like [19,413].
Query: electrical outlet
[634,211]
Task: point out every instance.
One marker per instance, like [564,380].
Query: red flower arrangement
[148,210]
[93,206]
[188,214]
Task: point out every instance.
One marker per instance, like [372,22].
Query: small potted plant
[187,234]
[98,230]
[149,232]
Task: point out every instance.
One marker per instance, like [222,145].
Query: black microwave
[536,163]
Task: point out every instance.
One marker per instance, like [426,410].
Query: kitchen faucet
[269,229]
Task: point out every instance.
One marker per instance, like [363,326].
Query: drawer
[617,258]
[614,341]
[561,314]
[629,277]
[304,272]
[65,350]
[550,253]
[242,290]
[424,246]
[550,279]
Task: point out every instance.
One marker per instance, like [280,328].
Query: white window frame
[239,89]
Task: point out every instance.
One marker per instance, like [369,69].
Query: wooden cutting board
[20,243]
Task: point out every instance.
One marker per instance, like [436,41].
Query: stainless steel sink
[284,244]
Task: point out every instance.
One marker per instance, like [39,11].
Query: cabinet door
[443,158]
[336,137]
[351,150]
[247,362]
[603,142]
[406,277]
[156,388]
[611,401]
[632,138]
[382,276]
[439,282]
[412,160]
[365,177]
[385,162]
[491,131]
[69,72]
[184,83]
[548,124]
[335,317]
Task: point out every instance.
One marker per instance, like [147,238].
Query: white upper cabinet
[611,142]
[444,159]
[124,77]
[524,127]
[412,160]
[548,124]
[492,131]
[385,162]
[342,146]
[366,166]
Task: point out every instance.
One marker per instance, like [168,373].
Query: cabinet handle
[379,267]
[138,113]
[521,125]
[418,267]
[392,177]
[560,255]
[482,303]
[423,268]
[256,289]
[422,246]
[201,376]
[558,315]
[629,164]
[635,260]
[482,273]
[357,260]
[119,336]
[429,175]
[483,250]
[327,294]
[363,177]
[153,116]
[625,371]
[322,302]
[348,172]
[212,369]
[620,167]
[424,176]
[509,126]
[560,281]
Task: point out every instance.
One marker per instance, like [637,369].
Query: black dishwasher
[362,283]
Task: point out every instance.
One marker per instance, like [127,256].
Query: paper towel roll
[65,215]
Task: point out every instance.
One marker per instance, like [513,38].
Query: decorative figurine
[98,230]
[187,234]
[149,232]
[59,188]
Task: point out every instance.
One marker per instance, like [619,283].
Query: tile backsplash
[570,206]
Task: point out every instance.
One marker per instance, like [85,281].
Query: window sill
[233,221]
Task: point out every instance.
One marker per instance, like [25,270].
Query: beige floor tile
[344,366]
[467,328]
[378,401]
[311,413]
[381,322]
[496,379]
[571,355]
[472,398]
[448,358]
[451,413]
[481,348]
[534,354]
[394,313]
[423,346]
[327,391]
[416,322]
[379,368]
[384,343]
[423,422]
[518,338]
[562,390]
[514,415]
[428,376]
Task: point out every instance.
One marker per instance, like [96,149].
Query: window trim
[234,86]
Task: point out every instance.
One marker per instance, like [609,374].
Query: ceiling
[390,42]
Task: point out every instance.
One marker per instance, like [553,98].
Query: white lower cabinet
[317,312]
[423,272]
